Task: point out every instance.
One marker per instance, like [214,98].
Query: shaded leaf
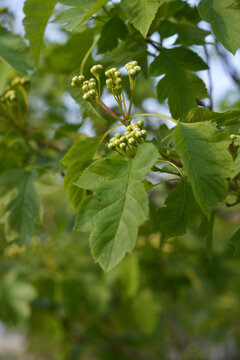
[113,30]
[82,11]
[179,85]
[180,211]
[76,159]
[119,204]
[224,17]
[14,51]
[37,14]
[206,160]
[20,206]
[140,13]
[199,114]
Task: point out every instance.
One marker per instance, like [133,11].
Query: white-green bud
[138,134]
[140,124]
[85,96]
[144,133]
[122,145]
[122,138]
[131,141]
[85,88]
[110,146]
[137,69]
[117,136]
[129,127]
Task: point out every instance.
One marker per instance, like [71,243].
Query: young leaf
[179,85]
[118,206]
[14,51]
[224,17]
[206,160]
[37,14]
[76,160]
[113,30]
[140,13]
[181,210]
[82,11]
[20,206]
[235,241]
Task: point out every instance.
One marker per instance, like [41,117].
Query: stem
[107,132]
[157,115]
[88,54]
[112,113]
[124,104]
[172,164]
[164,181]
[130,105]
[209,78]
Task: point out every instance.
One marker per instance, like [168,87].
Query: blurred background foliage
[166,300]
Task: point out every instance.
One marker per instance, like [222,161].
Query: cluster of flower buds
[132,137]
[114,81]
[9,96]
[23,81]
[133,69]
[77,81]
[88,87]
[96,70]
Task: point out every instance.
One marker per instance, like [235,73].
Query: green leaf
[14,51]
[76,159]
[235,241]
[20,206]
[113,30]
[118,206]
[37,14]
[206,160]
[231,117]
[82,11]
[181,210]
[224,17]
[236,165]
[67,58]
[206,230]
[179,84]
[140,13]
[188,33]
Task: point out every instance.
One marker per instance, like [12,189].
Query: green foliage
[180,85]
[152,199]
[206,161]
[113,30]
[119,205]
[37,15]
[180,211]
[140,13]
[82,11]
[14,51]
[20,205]
[224,17]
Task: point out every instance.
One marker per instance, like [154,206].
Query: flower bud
[140,124]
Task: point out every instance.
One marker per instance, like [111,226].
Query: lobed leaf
[77,15]
[118,206]
[180,211]
[76,159]
[206,161]
[37,14]
[140,13]
[20,206]
[14,51]
[224,17]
